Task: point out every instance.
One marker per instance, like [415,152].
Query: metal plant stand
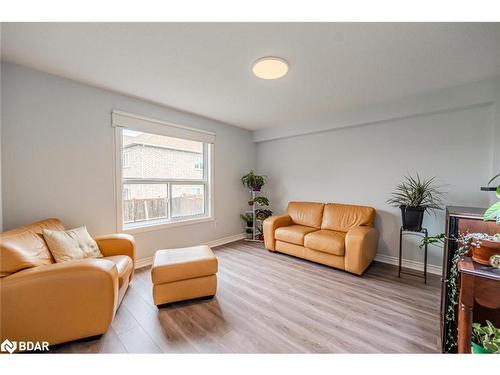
[400,268]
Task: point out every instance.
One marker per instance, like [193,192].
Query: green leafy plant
[248,219]
[487,336]
[493,213]
[432,240]
[417,192]
[263,214]
[261,201]
[253,181]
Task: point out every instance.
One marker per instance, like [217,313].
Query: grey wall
[57,158]
[362,164]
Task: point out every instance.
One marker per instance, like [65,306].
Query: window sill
[172,224]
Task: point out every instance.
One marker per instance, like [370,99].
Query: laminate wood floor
[274,303]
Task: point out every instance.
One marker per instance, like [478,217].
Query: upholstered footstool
[183,274]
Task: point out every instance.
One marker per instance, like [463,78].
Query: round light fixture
[270,67]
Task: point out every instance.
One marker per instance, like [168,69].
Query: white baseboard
[144,262]
[411,264]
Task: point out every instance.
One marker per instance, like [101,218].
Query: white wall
[361,164]
[58,158]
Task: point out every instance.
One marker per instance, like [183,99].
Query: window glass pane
[188,200]
[144,202]
[159,156]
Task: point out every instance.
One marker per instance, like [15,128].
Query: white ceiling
[205,68]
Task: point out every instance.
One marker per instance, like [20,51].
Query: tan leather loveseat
[337,235]
[57,302]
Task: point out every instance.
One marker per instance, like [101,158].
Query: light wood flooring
[274,303]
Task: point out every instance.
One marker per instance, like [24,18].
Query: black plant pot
[412,217]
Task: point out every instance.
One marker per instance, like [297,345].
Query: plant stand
[255,226]
[400,268]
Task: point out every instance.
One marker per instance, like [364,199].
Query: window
[168,180]
[198,163]
[126,160]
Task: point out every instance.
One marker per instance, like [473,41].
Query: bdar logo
[8,346]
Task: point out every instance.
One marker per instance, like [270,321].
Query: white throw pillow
[71,244]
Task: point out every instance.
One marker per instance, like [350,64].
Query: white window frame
[150,225]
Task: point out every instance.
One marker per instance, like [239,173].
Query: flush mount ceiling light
[270,67]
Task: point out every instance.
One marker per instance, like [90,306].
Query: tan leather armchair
[337,235]
[58,302]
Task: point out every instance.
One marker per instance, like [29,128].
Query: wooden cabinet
[459,220]
[479,288]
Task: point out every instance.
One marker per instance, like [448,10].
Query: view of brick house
[150,156]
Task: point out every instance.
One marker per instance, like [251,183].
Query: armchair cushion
[327,241]
[72,244]
[293,233]
[124,266]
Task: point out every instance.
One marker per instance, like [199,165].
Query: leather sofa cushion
[182,264]
[293,233]
[306,213]
[327,241]
[124,265]
[24,247]
[342,217]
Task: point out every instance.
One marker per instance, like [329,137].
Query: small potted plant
[414,196]
[249,232]
[261,201]
[263,214]
[253,182]
[485,339]
[248,219]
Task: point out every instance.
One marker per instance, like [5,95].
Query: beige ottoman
[182,274]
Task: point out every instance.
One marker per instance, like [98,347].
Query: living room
[329,188]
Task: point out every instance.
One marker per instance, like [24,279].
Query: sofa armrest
[117,244]
[59,302]
[360,248]
[270,225]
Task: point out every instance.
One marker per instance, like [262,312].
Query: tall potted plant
[414,196]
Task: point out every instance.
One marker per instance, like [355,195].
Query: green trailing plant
[253,181]
[487,336]
[493,213]
[432,240]
[263,214]
[261,201]
[464,241]
[417,192]
[248,219]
